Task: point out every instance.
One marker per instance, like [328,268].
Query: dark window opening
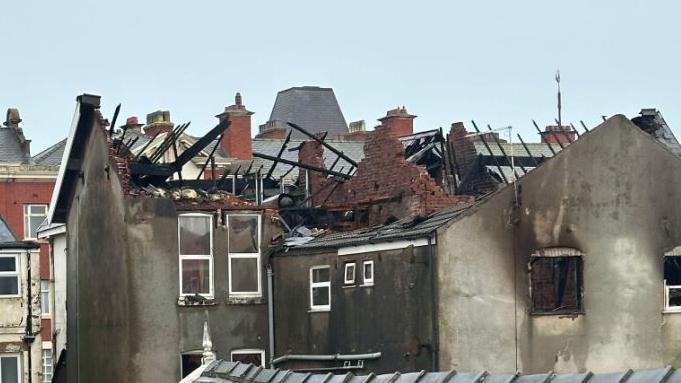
[190,362]
[556,284]
[672,280]
[254,358]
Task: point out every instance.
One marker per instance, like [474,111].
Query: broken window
[34,215]
[253,356]
[9,275]
[320,288]
[244,255]
[190,362]
[350,273]
[368,273]
[672,280]
[196,255]
[556,281]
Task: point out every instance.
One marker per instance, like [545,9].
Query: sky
[489,61]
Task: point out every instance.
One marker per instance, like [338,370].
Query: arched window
[556,281]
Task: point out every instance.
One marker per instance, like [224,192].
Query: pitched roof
[315,109]
[6,233]
[50,156]
[405,228]
[221,371]
[10,147]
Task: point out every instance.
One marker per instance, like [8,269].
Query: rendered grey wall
[614,195]
[392,317]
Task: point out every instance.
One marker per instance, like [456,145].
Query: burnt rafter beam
[208,159]
[331,148]
[139,168]
[525,161]
[113,121]
[139,154]
[503,152]
[489,150]
[302,165]
[281,151]
[534,160]
[540,135]
[201,144]
[552,134]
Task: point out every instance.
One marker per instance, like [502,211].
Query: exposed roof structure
[312,107]
[405,228]
[222,372]
[50,156]
[10,147]
[651,122]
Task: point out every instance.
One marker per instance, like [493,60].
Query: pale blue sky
[446,61]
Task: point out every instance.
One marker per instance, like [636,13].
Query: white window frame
[242,351]
[27,218]
[349,265]
[314,285]
[16,273]
[43,313]
[193,352]
[368,281]
[46,347]
[230,256]
[18,358]
[195,256]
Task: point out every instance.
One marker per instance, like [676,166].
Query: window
[556,281]
[320,288]
[368,273]
[9,368]
[350,273]
[9,275]
[252,356]
[244,255]
[190,362]
[196,254]
[34,215]
[672,280]
[47,365]
[45,297]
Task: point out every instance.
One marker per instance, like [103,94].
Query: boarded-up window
[556,281]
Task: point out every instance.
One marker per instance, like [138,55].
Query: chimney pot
[237,141]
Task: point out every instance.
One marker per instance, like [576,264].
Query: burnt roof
[315,109]
[221,371]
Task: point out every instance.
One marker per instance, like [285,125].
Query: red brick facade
[399,121]
[554,134]
[14,194]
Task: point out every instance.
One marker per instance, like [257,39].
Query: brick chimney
[237,140]
[554,133]
[357,131]
[158,121]
[132,125]
[399,121]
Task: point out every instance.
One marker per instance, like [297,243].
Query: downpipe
[270,312]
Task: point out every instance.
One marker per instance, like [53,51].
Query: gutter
[341,357]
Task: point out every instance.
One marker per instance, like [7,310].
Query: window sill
[671,311]
[367,285]
[558,313]
[245,300]
[319,310]
[191,300]
[10,296]
[349,286]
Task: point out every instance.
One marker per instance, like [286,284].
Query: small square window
[350,273]
[252,356]
[34,215]
[190,362]
[368,272]
[556,284]
[9,276]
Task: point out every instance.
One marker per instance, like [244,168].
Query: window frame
[313,285]
[675,252]
[43,365]
[554,253]
[27,218]
[16,273]
[231,256]
[17,356]
[43,313]
[184,257]
[246,351]
[189,353]
[368,281]
[352,281]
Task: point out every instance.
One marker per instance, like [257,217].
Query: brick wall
[15,194]
[237,141]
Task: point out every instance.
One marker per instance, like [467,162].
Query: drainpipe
[435,350]
[28,336]
[270,311]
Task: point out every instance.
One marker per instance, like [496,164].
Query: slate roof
[6,233]
[651,121]
[50,156]
[10,148]
[222,372]
[406,228]
[313,108]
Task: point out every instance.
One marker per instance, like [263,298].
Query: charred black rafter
[321,141]
[494,158]
[301,165]
[281,151]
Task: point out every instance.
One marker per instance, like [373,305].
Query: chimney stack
[158,121]
[12,122]
[399,121]
[237,138]
[132,125]
[553,134]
